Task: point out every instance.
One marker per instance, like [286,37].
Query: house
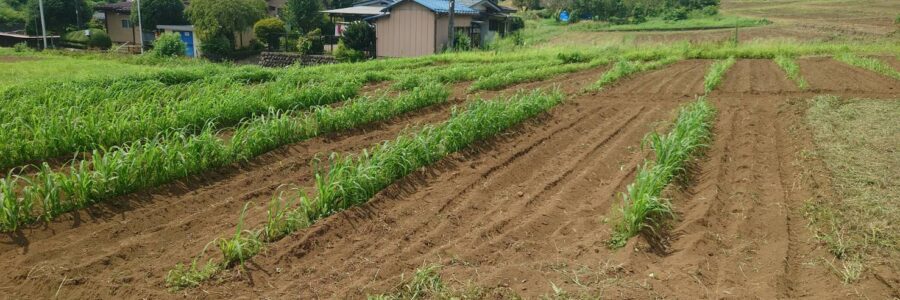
[117,19]
[421,27]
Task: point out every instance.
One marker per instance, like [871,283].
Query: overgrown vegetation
[643,207]
[856,139]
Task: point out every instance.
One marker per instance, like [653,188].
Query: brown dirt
[827,75]
[519,214]
[123,248]
[756,76]
[683,78]
[891,60]
[12,59]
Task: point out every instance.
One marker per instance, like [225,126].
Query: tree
[304,15]
[159,12]
[359,36]
[10,17]
[221,18]
[59,15]
[269,30]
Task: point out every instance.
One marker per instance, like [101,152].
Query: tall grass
[716,72]
[643,206]
[792,69]
[120,170]
[350,180]
[869,63]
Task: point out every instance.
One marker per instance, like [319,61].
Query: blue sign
[564,16]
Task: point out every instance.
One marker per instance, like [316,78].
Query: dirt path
[827,75]
[124,248]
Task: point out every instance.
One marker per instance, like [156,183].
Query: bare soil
[519,214]
[12,59]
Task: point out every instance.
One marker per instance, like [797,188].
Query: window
[126,23]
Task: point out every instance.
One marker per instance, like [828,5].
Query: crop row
[643,206]
[624,68]
[83,115]
[350,180]
[146,163]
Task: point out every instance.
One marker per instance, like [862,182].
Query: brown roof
[123,7]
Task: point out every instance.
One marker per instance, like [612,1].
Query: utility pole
[140,26]
[451,36]
[43,24]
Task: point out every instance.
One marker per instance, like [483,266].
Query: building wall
[407,31]
[119,34]
[443,29]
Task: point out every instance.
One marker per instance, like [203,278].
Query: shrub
[269,30]
[311,43]
[217,48]
[169,44]
[97,39]
[710,10]
[359,36]
[515,24]
[462,42]
[573,57]
[21,47]
[675,14]
[346,54]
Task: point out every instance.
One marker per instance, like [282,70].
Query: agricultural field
[700,167]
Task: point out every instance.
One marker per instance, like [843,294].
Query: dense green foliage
[270,30]
[159,12]
[303,15]
[98,39]
[169,44]
[359,36]
[60,15]
[311,42]
[346,54]
[12,15]
[642,200]
[215,19]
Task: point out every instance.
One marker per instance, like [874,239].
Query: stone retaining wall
[284,59]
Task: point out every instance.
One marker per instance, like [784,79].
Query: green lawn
[658,24]
[17,68]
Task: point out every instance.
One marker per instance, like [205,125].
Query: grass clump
[642,201]
[857,141]
[191,275]
[869,63]
[242,245]
[792,69]
[716,73]
[624,68]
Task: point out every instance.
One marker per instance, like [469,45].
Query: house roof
[123,7]
[439,6]
[356,10]
[381,3]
